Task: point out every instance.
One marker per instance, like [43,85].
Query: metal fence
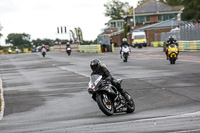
[188,32]
[103,39]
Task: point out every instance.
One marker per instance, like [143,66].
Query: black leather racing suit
[108,77]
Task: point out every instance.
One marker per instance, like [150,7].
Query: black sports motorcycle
[108,97]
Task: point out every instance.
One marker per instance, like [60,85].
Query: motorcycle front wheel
[125,58]
[105,104]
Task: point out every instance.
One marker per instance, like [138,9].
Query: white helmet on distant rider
[124,40]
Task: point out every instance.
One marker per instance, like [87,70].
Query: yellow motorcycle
[172,53]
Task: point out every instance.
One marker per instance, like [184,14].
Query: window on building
[165,17]
[128,21]
[171,16]
[159,18]
[147,18]
[112,24]
[141,19]
[137,19]
[119,24]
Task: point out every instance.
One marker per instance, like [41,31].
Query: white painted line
[2,100]
[64,68]
[186,131]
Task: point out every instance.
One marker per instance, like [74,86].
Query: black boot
[126,97]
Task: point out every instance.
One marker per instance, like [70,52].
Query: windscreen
[94,77]
[140,37]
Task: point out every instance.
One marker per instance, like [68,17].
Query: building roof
[163,24]
[153,6]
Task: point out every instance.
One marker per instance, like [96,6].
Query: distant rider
[97,68]
[168,43]
[43,46]
[16,50]
[68,46]
[123,44]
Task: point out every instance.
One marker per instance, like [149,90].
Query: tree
[173,2]
[39,42]
[191,10]
[169,2]
[116,8]
[0,30]
[18,39]
[141,1]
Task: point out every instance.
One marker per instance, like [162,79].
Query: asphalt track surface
[49,95]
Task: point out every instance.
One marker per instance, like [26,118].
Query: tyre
[105,104]
[174,60]
[125,57]
[171,61]
[68,53]
[131,106]
[139,46]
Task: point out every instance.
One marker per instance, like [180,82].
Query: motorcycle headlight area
[173,51]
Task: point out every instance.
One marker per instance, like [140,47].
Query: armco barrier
[89,48]
[183,45]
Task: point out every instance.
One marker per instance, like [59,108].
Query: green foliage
[0,30]
[173,2]
[191,11]
[18,39]
[169,2]
[22,48]
[126,30]
[141,1]
[1,35]
[116,8]
[39,42]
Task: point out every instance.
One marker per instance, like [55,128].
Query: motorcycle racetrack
[49,94]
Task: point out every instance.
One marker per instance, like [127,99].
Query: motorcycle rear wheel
[102,101]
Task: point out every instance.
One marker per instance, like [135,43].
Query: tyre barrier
[183,45]
[96,48]
[89,48]
[157,44]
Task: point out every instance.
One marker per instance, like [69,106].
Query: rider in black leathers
[97,68]
[169,42]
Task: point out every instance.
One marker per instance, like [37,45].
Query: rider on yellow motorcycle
[169,42]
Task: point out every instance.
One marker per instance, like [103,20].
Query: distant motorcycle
[125,52]
[108,97]
[43,51]
[172,53]
[68,50]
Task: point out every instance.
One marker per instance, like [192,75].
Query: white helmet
[124,40]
